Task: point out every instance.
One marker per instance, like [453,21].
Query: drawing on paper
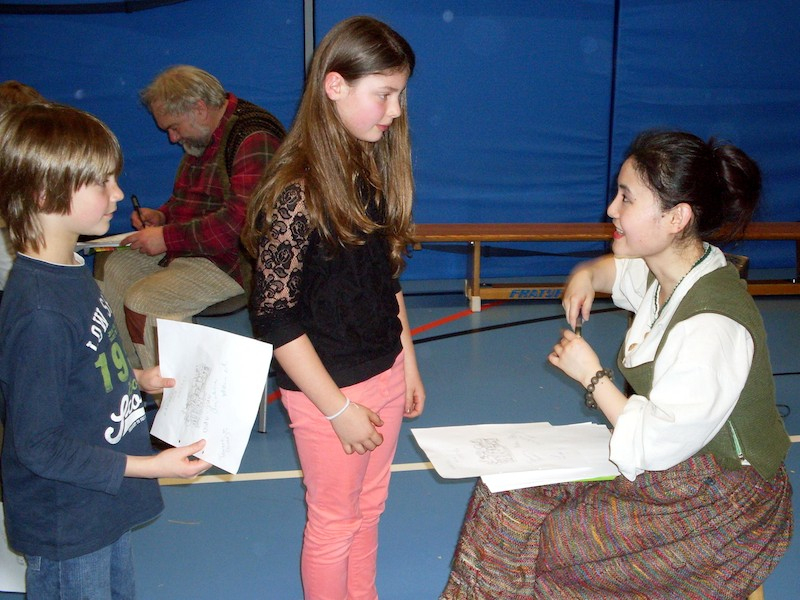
[491,451]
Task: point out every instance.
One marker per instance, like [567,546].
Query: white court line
[296,474]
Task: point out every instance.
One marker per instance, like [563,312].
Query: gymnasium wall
[520,109]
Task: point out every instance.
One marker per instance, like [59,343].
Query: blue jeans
[101,575]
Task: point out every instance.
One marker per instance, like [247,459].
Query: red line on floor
[449,319]
[426,327]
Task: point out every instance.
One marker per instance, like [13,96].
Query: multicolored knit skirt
[693,531]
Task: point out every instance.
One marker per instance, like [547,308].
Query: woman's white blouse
[697,379]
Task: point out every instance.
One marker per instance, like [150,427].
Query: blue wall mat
[520,110]
[724,68]
[509,109]
[100,63]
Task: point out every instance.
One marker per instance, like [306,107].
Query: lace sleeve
[278,272]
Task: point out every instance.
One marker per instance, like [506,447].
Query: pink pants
[345,494]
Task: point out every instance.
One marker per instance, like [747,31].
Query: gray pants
[178,292]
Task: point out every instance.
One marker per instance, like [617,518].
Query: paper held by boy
[519,455]
[219,384]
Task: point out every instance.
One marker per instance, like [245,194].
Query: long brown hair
[321,154]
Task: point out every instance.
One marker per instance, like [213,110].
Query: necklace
[656,311]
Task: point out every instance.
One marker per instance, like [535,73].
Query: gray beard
[193,148]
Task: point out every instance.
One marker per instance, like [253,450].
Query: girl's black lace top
[343,298]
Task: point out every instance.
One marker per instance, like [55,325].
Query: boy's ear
[334,85]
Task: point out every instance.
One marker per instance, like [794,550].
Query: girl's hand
[415,393]
[575,357]
[173,462]
[356,429]
[415,401]
[151,381]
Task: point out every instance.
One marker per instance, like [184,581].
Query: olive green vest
[754,430]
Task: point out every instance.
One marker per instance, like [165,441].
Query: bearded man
[186,255]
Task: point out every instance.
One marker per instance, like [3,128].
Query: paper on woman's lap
[517,455]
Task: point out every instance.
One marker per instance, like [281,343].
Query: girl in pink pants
[329,227]
[345,493]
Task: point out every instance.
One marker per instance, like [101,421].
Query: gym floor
[239,536]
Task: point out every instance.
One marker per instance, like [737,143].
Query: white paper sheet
[517,455]
[12,565]
[110,241]
[220,379]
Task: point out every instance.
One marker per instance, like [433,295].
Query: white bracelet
[340,411]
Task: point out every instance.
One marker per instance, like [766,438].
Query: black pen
[137,208]
[579,326]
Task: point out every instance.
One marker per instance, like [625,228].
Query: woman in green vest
[702,508]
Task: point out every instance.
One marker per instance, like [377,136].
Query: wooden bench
[476,234]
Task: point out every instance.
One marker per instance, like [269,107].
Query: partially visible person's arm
[415,391]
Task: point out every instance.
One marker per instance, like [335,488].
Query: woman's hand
[586,280]
[575,357]
[578,297]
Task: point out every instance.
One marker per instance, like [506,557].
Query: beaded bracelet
[589,395]
[340,411]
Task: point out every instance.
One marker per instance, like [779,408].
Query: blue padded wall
[520,110]
[509,109]
[100,62]
[723,68]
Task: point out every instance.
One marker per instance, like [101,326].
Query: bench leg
[262,413]
[797,261]
[475,303]
[474,278]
